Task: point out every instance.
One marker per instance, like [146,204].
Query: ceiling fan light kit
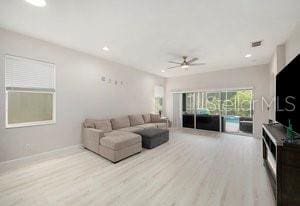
[185,64]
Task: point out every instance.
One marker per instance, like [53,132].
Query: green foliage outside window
[158,104]
[237,103]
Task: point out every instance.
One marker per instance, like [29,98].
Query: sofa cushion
[155,118]
[115,132]
[147,118]
[148,125]
[89,123]
[131,129]
[104,125]
[121,122]
[118,142]
[136,120]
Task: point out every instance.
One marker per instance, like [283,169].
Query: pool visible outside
[232,123]
[232,119]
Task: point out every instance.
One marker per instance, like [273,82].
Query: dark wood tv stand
[285,174]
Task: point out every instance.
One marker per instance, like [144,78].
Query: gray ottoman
[153,137]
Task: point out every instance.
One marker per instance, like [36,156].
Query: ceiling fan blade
[192,60]
[173,67]
[174,62]
[199,64]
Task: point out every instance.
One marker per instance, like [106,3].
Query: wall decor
[115,82]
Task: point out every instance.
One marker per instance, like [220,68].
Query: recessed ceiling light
[248,55]
[37,3]
[105,48]
[185,66]
[163,71]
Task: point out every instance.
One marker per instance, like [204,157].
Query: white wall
[256,77]
[292,45]
[276,65]
[80,94]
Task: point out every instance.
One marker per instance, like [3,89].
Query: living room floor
[194,168]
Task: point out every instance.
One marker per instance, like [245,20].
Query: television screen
[288,95]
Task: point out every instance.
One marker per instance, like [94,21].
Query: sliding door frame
[194,91]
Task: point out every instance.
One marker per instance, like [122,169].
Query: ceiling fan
[186,63]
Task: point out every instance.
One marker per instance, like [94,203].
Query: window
[200,100]
[158,95]
[30,92]
[201,103]
[190,104]
[213,102]
[237,102]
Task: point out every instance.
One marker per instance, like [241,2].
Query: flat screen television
[288,95]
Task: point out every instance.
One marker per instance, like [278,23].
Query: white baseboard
[40,155]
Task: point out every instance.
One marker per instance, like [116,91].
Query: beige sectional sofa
[114,138]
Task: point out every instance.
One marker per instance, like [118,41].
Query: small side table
[165,119]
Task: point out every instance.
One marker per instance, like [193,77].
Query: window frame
[162,104]
[29,90]
[159,92]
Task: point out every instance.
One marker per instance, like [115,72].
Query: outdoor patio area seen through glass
[225,110]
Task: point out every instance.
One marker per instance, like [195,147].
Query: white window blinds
[28,73]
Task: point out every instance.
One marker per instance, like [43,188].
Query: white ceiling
[145,34]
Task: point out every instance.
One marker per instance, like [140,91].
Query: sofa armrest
[164,120]
[91,138]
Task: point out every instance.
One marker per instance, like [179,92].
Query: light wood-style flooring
[193,168]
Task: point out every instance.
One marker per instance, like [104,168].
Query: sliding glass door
[237,111]
[188,110]
[201,110]
[222,110]
[208,111]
